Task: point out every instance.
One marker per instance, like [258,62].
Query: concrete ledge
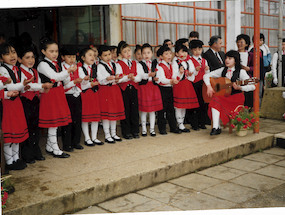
[91,176]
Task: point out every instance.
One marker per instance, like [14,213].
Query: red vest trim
[31,94]
[127,70]
[201,72]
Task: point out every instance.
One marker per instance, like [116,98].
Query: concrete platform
[93,175]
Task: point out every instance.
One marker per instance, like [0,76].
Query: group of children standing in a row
[73,95]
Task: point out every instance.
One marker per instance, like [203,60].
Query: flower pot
[242,132]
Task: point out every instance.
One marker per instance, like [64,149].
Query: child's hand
[207,68]
[12,93]
[9,80]
[155,78]
[28,81]
[198,68]
[236,87]
[87,78]
[27,87]
[77,80]
[246,68]
[112,77]
[47,85]
[174,81]
[130,76]
[210,91]
[151,74]
[181,69]
[73,68]
[94,83]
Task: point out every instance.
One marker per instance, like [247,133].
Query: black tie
[218,57]
[129,63]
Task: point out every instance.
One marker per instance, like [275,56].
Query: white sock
[143,121]
[15,151]
[178,114]
[85,130]
[52,145]
[106,128]
[151,121]
[215,118]
[94,130]
[113,124]
[8,153]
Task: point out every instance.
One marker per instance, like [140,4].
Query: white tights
[180,115]
[216,118]
[11,152]
[109,125]
[151,121]
[94,130]
[52,145]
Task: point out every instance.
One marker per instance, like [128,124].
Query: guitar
[223,86]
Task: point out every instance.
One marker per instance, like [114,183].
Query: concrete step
[96,174]
[280,139]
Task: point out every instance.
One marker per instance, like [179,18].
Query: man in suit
[214,56]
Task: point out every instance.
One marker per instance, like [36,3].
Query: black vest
[145,69]
[234,78]
[109,70]
[45,79]
[179,65]
[94,75]
[11,73]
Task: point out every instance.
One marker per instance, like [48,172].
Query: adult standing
[214,56]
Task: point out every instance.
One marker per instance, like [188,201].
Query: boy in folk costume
[71,133]
[31,102]
[202,68]
[166,79]
[149,96]
[220,107]
[111,101]
[184,94]
[130,125]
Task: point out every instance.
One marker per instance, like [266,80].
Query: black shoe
[128,136]
[163,132]
[117,138]
[63,155]
[68,149]
[136,136]
[78,146]
[185,130]
[196,128]
[89,144]
[98,142]
[30,161]
[153,134]
[110,140]
[202,126]
[144,134]
[215,131]
[17,165]
[176,131]
[40,158]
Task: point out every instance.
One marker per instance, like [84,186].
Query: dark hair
[83,52]
[196,44]
[261,36]
[283,40]
[146,45]
[45,42]
[103,48]
[236,56]
[68,50]
[123,46]
[113,48]
[2,35]
[181,47]
[162,49]
[93,46]
[121,43]
[21,51]
[194,34]
[5,48]
[165,41]
[246,39]
[214,39]
[138,47]
[181,41]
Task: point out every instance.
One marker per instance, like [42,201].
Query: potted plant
[242,119]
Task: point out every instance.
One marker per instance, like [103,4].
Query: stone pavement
[256,180]
[95,175]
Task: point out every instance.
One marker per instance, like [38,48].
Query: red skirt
[14,123]
[90,106]
[184,95]
[111,103]
[225,105]
[54,110]
[149,98]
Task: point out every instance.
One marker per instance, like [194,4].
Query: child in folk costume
[95,49]
[166,79]
[222,106]
[111,101]
[114,56]
[149,97]
[202,68]
[54,110]
[130,125]
[90,97]
[184,95]
[31,102]
[71,133]
[138,53]
[14,124]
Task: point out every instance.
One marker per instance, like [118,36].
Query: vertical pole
[256,59]
[280,33]
[121,20]
[54,14]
